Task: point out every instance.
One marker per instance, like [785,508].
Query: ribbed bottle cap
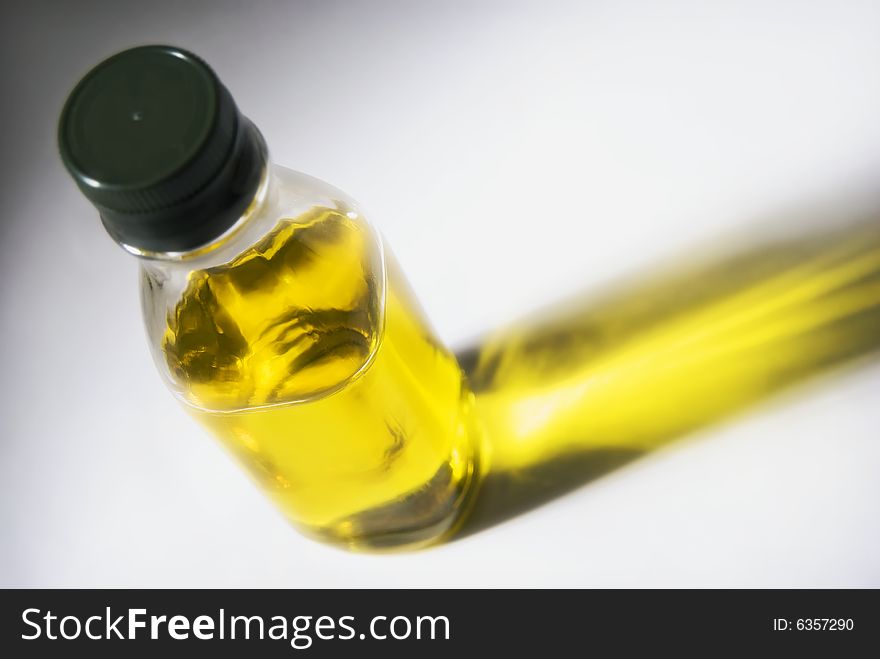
[157,144]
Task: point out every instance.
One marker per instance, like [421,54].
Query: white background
[511,153]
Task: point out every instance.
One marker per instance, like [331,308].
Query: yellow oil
[573,394]
[327,384]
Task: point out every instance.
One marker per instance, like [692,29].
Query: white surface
[511,153]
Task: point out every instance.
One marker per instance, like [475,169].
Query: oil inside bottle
[325,381]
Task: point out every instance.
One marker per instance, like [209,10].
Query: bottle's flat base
[364,531]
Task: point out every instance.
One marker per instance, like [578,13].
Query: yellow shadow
[596,383]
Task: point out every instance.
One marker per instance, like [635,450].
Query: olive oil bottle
[273,310]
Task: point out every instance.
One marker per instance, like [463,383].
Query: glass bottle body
[295,339]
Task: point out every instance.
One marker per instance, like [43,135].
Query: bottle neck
[242,231]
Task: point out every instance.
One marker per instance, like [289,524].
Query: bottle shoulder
[290,310]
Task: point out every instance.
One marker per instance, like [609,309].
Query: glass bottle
[273,311]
